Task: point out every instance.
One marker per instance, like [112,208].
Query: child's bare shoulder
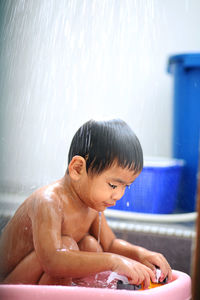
[45,197]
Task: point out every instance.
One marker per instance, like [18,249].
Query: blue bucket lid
[162,162]
[187,60]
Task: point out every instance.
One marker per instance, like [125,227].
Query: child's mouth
[108,204]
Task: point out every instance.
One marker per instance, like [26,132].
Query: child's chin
[101,209]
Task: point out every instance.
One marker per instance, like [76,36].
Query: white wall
[64,62]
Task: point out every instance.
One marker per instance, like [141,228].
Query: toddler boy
[52,237]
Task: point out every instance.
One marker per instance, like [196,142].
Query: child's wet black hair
[103,143]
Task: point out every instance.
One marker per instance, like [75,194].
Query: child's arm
[60,263]
[111,244]
[144,256]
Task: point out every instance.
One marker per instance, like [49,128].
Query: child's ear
[77,167]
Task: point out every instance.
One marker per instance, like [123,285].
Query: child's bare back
[54,203]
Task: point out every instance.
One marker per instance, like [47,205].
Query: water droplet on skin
[63,249]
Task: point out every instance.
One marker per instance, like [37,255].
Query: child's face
[102,191]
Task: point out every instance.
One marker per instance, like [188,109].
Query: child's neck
[70,190]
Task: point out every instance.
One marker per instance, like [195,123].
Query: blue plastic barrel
[185,69]
[155,189]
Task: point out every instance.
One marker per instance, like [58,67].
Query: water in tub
[101,280]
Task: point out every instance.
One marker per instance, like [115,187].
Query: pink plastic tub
[178,289]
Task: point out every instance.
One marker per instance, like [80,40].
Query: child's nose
[117,194]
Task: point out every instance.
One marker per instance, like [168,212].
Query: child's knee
[69,243]
[89,243]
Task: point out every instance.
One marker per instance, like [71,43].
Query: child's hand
[153,259]
[136,272]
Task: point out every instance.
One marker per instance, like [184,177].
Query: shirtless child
[53,235]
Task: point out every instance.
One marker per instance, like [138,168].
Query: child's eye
[112,186]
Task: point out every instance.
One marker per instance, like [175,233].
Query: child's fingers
[145,275]
[142,277]
[151,269]
[135,277]
[146,282]
[151,274]
[165,268]
[151,266]
[167,274]
[148,275]
[166,271]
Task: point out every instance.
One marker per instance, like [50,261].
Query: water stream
[99,232]
[62,62]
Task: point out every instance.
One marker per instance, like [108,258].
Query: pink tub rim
[178,289]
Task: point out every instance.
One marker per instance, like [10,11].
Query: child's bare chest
[76,224]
